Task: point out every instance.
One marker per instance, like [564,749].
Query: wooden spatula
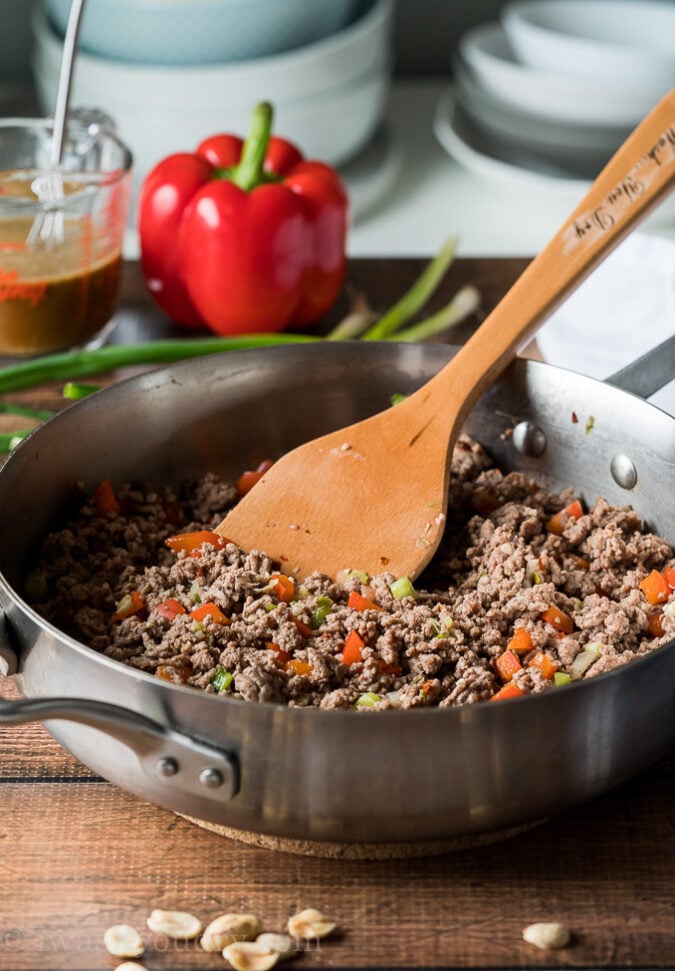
[372,496]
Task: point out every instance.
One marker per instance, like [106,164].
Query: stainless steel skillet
[331,775]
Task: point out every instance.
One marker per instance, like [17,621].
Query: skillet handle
[651,372]
[162,752]
[8,658]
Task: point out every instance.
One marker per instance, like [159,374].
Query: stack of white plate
[547,94]
[329,94]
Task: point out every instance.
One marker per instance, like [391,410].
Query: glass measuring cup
[61,234]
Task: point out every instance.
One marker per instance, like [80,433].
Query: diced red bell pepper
[248,479]
[105,500]
[353,646]
[282,587]
[547,667]
[655,587]
[426,688]
[521,642]
[357,602]
[669,574]
[655,624]
[302,627]
[392,668]
[170,609]
[132,603]
[557,522]
[507,664]
[173,513]
[283,657]
[558,619]
[209,610]
[485,500]
[192,542]
[299,667]
[508,691]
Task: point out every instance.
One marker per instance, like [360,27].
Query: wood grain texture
[78,854]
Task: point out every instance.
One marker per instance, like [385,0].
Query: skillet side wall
[345,775]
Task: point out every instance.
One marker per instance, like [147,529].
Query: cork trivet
[361,851]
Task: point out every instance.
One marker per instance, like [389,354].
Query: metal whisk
[48,226]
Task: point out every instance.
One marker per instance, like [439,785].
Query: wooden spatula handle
[635,180]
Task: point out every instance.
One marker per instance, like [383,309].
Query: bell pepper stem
[249,172]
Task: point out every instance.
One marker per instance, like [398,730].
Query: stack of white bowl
[171,74]
[556,85]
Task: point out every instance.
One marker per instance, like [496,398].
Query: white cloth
[626,307]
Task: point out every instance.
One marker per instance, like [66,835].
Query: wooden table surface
[78,854]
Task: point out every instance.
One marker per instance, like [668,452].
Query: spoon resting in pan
[373,496]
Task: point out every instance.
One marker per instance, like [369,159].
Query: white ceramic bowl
[586,147]
[202,31]
[549,94]
[314,68]
[622,41]
[159,111]
[333,126]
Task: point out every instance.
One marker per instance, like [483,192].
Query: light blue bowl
[193,32]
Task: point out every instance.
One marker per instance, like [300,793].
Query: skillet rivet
[623,471]
[529,439]
[211,778]
[167,767]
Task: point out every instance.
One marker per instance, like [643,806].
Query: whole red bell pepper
[243,236]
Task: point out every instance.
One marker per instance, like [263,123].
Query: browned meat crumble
[498,569]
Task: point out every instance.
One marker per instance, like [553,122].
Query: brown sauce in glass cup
[47,303]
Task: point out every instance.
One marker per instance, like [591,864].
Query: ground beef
[500,567]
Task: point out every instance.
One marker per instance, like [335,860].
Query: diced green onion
[402,588]
[195,593]
[397,398]
[75,392]
[448,624]
[585,659]
[270,607]
[124,604]
[222,679]
[344,575]
[324,605]
[197,627]
[560,678]
[9,440]
[367,700]
[536,578]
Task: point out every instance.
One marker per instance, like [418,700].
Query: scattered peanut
[175,923]
[250,956]
[281,943]
[123,941]
[310,924]
[548,937]
[228,929]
